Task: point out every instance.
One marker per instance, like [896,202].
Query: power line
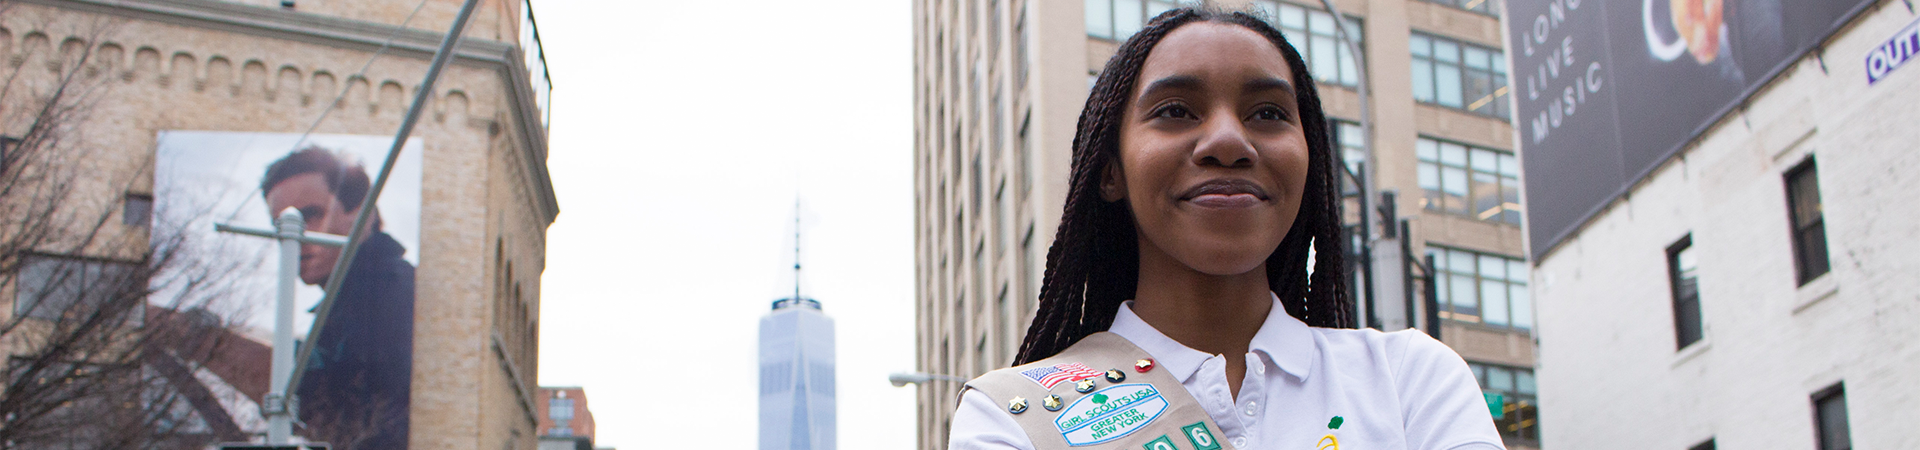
[328,110]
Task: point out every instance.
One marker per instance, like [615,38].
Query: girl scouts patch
[1110,413]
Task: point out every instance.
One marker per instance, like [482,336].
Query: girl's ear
[1113,183]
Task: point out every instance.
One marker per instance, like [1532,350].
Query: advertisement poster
[1608,90]
[356,391]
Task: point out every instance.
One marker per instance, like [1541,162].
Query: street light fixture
[900,379]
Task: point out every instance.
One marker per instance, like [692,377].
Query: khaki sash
[1142,410]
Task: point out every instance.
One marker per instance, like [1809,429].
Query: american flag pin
[1049,376]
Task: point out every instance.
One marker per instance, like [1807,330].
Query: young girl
[1177,310]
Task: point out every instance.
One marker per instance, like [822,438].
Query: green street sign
[1496,403]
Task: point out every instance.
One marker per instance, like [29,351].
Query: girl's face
[1213,159]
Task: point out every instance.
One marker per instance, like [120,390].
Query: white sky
[681,132]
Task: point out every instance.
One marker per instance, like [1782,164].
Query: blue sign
[1891,54]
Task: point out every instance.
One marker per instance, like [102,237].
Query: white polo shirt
[1399,390]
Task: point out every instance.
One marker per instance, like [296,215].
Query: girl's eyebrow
[1171,83]
[1266,84]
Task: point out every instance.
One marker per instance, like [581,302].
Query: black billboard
[1606,90]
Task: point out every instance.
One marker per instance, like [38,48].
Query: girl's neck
[1217,314]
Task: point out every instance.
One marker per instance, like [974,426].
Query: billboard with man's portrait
[356,391]
[1607,90]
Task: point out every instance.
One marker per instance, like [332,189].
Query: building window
[1488,7]
[51,287]
[1510,397]
[1482,288]
[1466,180]
[1353,144]
[1708,445]
[1830,418]
[137,210]
[1682,274]
[1809,224]
[1449,73]
[560,410]
[1330,60]
[1119,19]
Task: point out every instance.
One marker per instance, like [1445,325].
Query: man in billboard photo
[355,393]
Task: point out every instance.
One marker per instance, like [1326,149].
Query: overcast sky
[682,133]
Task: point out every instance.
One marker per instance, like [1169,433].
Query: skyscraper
[796,377]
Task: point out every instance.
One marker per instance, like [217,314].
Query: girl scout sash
[1101,393]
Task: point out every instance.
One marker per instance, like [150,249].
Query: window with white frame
[1488,7]
[1457,75]
[1313,32]
[1481,288]
[1118,20]
[1466,180]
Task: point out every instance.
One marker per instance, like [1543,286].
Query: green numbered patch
[1201,437]
[1162,443]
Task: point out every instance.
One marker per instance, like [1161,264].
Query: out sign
[1896,51]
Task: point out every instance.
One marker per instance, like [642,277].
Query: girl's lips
[1226,200]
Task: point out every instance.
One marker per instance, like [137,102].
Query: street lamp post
[290,231]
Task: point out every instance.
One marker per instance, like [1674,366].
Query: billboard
[1608,90]
[356,393]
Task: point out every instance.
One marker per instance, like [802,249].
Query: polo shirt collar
[1282,339]
[1286,342]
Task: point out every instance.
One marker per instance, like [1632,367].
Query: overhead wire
[328,109]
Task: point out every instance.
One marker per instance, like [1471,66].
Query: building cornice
[505,58]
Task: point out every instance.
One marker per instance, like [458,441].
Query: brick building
[565,421]
[272,67]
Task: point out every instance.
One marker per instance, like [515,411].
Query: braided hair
[1093,264]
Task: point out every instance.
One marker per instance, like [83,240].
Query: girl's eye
[1173,112]
[1270,113]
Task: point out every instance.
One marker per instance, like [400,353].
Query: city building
[999,85]
[797,408]
[155,70]
[566,423]
[1739,273]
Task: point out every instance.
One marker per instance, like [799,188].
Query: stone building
[999,85]
[1755,288]
[275,66]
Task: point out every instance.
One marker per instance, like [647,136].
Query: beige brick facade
[254,66]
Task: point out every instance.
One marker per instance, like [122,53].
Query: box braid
[1093,264]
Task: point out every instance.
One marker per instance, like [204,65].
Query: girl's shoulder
[1397,351]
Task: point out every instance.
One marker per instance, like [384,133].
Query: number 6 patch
[1201,437]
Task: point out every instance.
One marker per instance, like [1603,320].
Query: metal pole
[1433,299]
[278,411]
[1406,270]
[360,221]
